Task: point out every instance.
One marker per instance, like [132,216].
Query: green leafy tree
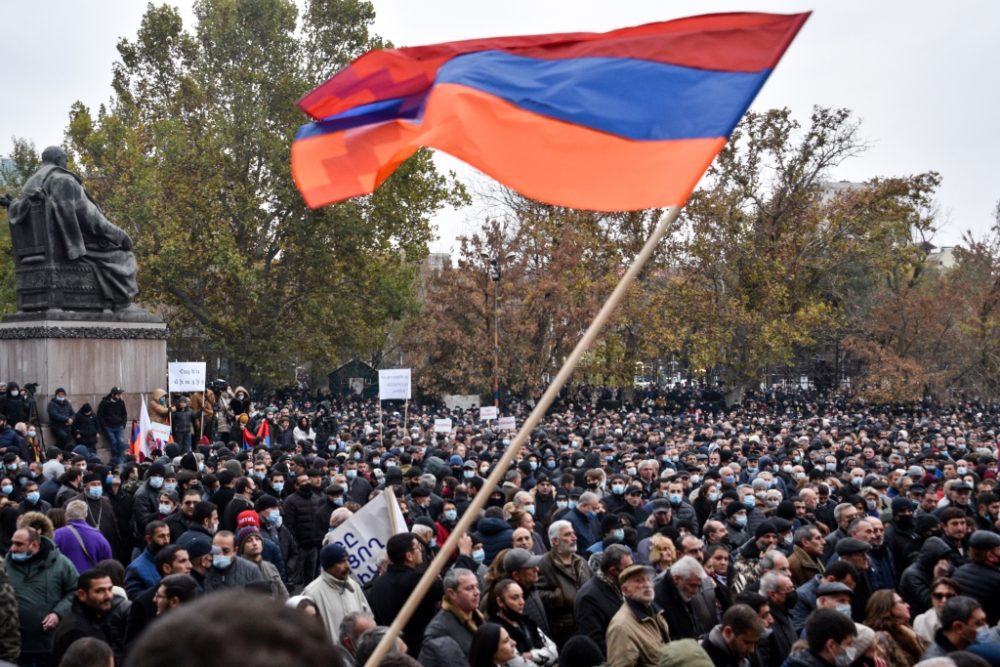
[191,157]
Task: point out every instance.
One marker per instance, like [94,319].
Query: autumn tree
[771,259]
[937,333]
[191,157]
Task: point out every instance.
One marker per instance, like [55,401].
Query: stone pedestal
[86,358]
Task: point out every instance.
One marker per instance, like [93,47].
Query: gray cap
[849,545]
[519,559]
[833,588]
[984,539]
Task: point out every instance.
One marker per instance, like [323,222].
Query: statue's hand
[127,243]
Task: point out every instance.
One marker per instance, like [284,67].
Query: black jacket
[679,615]
[84,427]
[389,593]
[111,414]
[59,412]
[301,512]
[595,606]
[81,621]
[15,408]
[983,584]
[915,584]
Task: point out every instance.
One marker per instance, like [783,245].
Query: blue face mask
[109,479]
[675,498]
[479,556]
[533,465]
[618,534]
[550,465]
[278,486]
[33,497]
[713,496]
[530,509]
[451,516]
[750,501]
[351,474]
[741,520]
[156,482]
[591,515]
[170,486]
[562,504]
[983,635]
[753,471]
[95,491]
[220,562]
[274,518]
[20,557]
[856,481]
[729,479]
[618,489]
[572,504]
[7,489]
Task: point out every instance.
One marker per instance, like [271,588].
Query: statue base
[85,356]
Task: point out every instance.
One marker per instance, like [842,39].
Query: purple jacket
[97,545]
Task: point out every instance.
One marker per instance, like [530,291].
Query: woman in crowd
[927,623]
[506,607]
[662,552]
[889,616]
[491,647]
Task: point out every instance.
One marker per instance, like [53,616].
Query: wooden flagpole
[496,477]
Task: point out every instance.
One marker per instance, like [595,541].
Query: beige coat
[636,635]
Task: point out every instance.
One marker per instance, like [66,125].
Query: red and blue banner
[622,120]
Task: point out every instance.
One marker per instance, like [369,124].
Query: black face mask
[904,521]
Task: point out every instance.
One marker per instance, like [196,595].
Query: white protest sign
[187,375]
[159,434]
[394,384]
[366,533]
[488,412]
[442,426]
[506,424]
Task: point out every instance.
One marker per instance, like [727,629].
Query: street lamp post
[495,273]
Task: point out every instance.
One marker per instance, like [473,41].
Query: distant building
[436,262]
[942,258]
[353,378]
[831,189]
[6,167]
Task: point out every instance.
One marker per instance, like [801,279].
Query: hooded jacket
[915,584]
[44,584]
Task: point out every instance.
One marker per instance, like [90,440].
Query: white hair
[770,581]
[76,510]
[557,527]
[687,566]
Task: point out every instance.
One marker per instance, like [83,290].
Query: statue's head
[55,155]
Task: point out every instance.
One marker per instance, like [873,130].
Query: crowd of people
[786,530]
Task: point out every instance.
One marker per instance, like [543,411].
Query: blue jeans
[115,436]
[183,441]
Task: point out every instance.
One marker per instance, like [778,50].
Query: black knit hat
[580,651]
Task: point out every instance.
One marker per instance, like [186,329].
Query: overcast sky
[923,76]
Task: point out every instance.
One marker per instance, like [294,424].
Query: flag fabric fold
[621,120]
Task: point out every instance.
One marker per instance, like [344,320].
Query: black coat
[15,408]
[778,645]
[59,412]
[301,512]
[679,615]
[983,584]
[84,428]
[389,593]
[595,606]
[111,414]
